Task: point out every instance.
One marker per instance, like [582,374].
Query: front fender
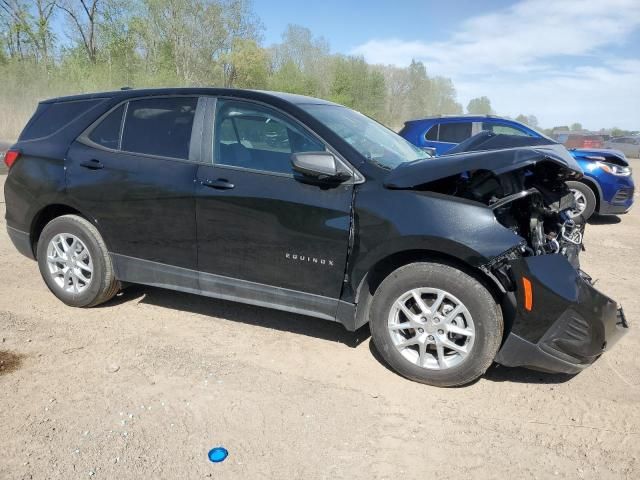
[388,222]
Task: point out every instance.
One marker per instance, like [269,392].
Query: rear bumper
[570,325]
[21,241]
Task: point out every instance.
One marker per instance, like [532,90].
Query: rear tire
[586,200]
[456,339]
[74,262]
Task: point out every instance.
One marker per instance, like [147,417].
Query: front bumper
[620,203]
[617,195]
[570,323]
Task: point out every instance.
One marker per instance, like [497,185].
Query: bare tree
[83,15]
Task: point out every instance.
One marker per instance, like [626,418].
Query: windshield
[376,142]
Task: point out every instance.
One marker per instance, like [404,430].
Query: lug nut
[431,337]
[421,330]
[440,332]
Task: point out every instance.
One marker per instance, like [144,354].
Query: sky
[564,61]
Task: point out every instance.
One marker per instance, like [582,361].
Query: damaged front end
[557,321]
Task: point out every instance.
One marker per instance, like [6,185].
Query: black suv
[303,205]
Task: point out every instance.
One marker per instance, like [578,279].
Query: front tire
[74,262]
[435,324]
[585,201]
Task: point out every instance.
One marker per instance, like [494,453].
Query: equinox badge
[308,259]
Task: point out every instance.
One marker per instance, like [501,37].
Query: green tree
[479,106]
[356,84]
[576,127]
[246,65]
[144,43]
[530,120]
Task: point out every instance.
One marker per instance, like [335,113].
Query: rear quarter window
[51,117]
[107,132]
[432,133]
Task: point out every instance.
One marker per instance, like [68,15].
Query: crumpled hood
[419,172]
[617,156]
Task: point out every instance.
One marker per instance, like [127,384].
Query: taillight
[10,157]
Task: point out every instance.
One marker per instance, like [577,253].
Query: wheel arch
[385,266]
[47,214]
[595,187]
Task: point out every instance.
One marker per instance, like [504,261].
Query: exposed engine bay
[533,202]
[521,179]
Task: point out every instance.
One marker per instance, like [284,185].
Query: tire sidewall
[486,315]
[67,224]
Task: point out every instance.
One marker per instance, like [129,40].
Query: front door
[259,224]
[132,173]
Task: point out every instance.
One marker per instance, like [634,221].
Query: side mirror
[430,150]
[319,165]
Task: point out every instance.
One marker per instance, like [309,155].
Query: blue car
[606,188]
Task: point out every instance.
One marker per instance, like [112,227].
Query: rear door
[133,171]
[258,222]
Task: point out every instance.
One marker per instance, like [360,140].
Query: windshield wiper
[380,164]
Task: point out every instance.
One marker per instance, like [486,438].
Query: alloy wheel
[69,262]
[431,328]
[581,202]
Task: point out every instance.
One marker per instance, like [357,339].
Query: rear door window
[159,126]
[107,132]
[454,132]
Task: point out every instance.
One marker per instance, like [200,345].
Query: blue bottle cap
[218,454]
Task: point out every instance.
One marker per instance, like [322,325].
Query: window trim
[193,157]
[356,176]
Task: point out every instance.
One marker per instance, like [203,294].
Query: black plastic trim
[22,241]
[136,270]
[518,352]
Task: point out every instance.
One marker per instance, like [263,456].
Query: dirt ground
[145,385]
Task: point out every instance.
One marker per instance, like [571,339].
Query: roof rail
[451,115]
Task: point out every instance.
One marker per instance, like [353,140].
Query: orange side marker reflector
[528,294]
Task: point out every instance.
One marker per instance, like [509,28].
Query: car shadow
[498,373]
[239,312]
[604,220]
[301,325]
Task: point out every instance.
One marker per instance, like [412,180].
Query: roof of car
[468,116]
[242,93]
